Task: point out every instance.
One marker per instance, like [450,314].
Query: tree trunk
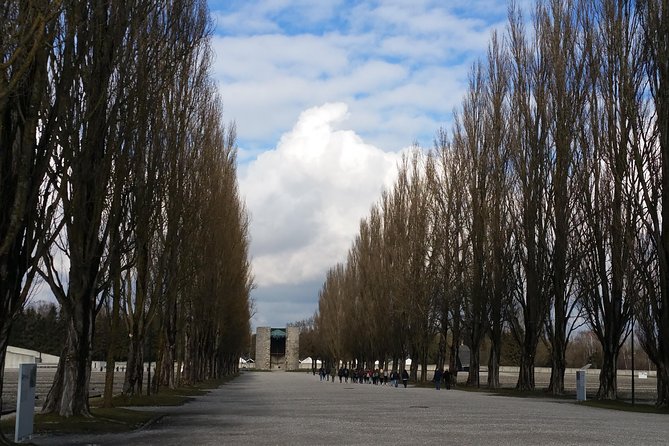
[188,354]
[662,385]
[423,367]
[109,373]
[111,349]
[473,378]
[441,354]
[4,337]
[413,370]
[527,355]
[167,375]
[526,374]
[608,386]
[69,393]
[533,318]
[134,372]
[495,331]
[558,366]
[493,365]
[454,351]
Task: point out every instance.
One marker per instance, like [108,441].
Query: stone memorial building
[277,348]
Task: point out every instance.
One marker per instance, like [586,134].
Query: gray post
[25,402]
[633,356]
[581,383]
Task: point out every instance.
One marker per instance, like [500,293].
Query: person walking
[438,376]
[393,378]
[447,379]
[405,377]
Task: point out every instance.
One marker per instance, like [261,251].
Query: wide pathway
[296,409]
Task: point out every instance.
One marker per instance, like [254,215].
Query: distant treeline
[40,327]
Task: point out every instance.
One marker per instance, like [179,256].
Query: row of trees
[119,190]
[542,211]
[583,348]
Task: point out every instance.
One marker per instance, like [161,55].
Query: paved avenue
[297,409]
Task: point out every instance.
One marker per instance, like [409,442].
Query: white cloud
[306,197]
[400,65]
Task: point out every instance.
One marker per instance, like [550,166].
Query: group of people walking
[380,376]
[441,375]
[365,376]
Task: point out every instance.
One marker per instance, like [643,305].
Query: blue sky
[325,95]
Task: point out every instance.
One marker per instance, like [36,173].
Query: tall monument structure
[277,348]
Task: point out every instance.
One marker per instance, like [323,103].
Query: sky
[326,95]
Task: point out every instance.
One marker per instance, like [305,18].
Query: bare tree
[607,275]
[27,126]
[86,147]
[159,54]
[450,241]
[498,224]
[422,283]
[469,139]
[331,301]
[529,137]
[368,308]
[652,162]
[560,39]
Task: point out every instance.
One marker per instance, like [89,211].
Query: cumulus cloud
[307,196]
[401,68]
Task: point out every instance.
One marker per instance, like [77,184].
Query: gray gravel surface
[297,409]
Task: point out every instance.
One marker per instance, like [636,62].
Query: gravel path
[296,409]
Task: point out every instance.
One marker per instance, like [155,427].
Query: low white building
[16,356]
[307,363]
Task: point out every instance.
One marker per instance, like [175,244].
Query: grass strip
[121,417]
[103,420]
[625,406]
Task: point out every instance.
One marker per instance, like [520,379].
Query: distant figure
[438,376]
[447,379]
[393,378]
[321,373]
[405,377]
[333,373]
